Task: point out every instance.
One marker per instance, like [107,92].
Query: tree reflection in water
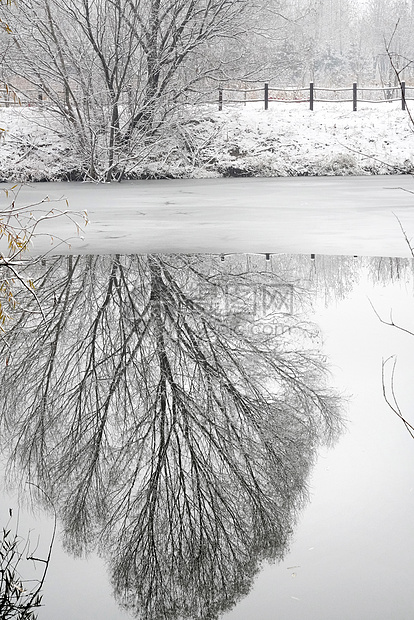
[173,437]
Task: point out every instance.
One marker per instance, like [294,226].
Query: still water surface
[263,325]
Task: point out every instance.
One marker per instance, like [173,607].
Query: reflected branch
[390,323]
[390,395]
[171,430]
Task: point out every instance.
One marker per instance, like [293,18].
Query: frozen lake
[324,215]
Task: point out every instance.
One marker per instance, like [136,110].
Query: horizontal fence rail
[265,94]
[316,94]
[30,97]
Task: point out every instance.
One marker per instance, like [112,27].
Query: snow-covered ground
[286,140]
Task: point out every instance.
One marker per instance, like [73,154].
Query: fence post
[403,95]
[311,96]
[266,95]
[354,97]
[220,98]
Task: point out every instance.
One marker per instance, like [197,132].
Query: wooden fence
[30,97]
[265,94]
[309,95]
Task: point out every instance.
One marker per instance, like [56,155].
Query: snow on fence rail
[309,94]
[297,95]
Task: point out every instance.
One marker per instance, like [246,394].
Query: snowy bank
[286,140]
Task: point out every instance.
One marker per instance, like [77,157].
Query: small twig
[403,189]
[27,287]
[368,156]
[397,71]
[390,323]
[52,540]
[408,241]
[393,405]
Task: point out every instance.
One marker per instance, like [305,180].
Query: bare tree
[114,70]
[172,439]
[19,226]
[20,596]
